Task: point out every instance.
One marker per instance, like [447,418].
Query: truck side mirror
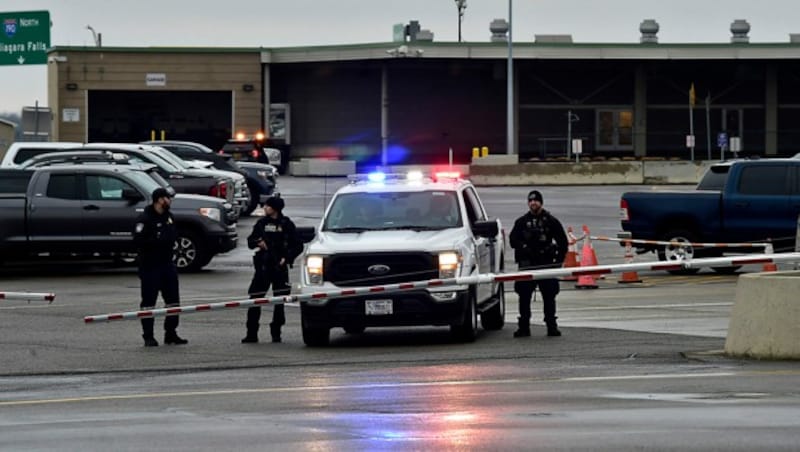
[131,195]
[306,233]
[486,229]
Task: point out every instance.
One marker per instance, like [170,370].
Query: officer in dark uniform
[277,245]
[539,242]
[155,236]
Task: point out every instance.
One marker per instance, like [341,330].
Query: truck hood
[187,201]
[386,241]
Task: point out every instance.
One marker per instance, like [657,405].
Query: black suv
[255,150]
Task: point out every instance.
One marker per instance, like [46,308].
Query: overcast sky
[278,23]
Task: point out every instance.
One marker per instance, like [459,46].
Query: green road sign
[25,37]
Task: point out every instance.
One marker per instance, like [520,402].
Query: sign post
[25,37]
[722,142]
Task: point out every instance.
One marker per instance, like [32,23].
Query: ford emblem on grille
[378,269]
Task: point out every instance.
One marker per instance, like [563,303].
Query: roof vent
[563,39]
[499,29]
[740,28]
[649,29]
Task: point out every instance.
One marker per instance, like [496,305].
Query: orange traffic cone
[769,266]
[632,276]
[588,259]
[571,259]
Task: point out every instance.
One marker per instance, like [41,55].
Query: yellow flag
[692,97]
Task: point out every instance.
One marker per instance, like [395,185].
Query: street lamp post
[510,91]
[98,37]
[461,5]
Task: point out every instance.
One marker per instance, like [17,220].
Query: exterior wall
[185,70]
[7,129]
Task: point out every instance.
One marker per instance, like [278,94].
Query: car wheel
[189,253]
[315,337]
[254,197]
[467,331]
[495,317]
[678,253]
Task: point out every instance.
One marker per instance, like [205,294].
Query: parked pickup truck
[89,211]
[735,202]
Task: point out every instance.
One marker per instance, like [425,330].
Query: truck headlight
[211,212]
[449,263]
[314,269]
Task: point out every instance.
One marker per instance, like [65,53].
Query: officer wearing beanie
[275,240]
[154,237]
[539,242]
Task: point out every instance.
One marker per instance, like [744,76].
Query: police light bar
[441,175]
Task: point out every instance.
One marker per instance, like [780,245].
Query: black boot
[552,329]
[251,338]
[172,338]
[275,331]
[524,328]
[147,333]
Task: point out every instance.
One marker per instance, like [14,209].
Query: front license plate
[378,307]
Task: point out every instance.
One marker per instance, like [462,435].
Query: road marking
[223,392]
[652,306]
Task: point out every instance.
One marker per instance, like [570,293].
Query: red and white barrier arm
[673,243]
[461,281]
[27,296]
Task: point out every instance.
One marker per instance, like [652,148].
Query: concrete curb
[765,316]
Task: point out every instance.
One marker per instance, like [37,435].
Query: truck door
[108,218]
[483,245]
[758,207]
[55,214]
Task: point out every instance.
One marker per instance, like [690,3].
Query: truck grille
[349,270]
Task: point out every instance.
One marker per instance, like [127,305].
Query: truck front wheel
[495,317]
[467,330]
[189,253]
[677,252]
[315,336]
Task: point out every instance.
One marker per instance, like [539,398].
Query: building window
[614,130]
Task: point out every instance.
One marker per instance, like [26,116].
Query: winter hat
[159,193]
[535,195]
[275,202]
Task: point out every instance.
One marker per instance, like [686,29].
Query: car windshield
[146,181]
[422,210]
[171,158]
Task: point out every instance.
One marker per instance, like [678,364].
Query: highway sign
[25,37]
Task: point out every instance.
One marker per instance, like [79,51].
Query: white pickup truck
[385,229]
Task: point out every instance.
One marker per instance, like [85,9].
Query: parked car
[19,152]
[735,202]
[261,178]
[184,180]
[257,150]
[89,211]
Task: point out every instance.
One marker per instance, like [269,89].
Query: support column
[266,59]
[640,112]
[384,114]
[771,111]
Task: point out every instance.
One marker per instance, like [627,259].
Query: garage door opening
[131,116]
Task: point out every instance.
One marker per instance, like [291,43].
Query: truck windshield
[144,181]
[715,178]
[423,210]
